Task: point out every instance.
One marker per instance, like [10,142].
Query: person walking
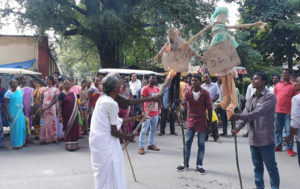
[15,113]
[259,114]
[148,91]
[197,101]
[284,91]
[295,118]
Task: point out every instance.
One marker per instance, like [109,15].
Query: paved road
[51,167]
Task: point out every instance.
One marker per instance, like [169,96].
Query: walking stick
[180,122]
[132,170]
[236,155]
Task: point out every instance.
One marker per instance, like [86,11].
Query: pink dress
[48,130]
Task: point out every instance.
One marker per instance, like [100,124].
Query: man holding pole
[198,101]
[259,113]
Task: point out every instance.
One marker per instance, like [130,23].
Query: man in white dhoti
[104,141]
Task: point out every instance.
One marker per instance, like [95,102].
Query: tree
[77,56]
[113,26]
[277,42]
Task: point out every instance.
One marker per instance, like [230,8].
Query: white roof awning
[128,71]
[17,71]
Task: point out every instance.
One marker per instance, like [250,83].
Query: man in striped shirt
[198,101]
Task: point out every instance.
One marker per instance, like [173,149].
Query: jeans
[282,121]
[163,121]
[223,116]
[152,123]
[261,155]
[189,136]
[298,152]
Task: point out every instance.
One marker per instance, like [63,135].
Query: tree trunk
[108,55]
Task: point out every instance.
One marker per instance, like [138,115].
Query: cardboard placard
[177,60]
[221,57]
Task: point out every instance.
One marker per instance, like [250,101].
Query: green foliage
[78,56]
[250,58]
[123,31]
[278,41]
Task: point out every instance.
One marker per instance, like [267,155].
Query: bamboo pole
[180,122]
[187,44]
[237,155]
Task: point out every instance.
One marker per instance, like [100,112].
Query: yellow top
[214,116]
[181,91]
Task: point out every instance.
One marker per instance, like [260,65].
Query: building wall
[46,65]
[44,58]
[18,49]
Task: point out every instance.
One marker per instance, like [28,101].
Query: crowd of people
[58,111]
[63,111]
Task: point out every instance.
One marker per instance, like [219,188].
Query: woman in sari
[15,112]
[125,113]
[49,96]
[84,103]
[68,115]
[59,125]
[35,109]
[27,100]
[94,94]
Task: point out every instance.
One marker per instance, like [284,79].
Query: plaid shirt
[196,116]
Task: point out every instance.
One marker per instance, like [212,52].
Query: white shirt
[135,86]
[271,89]
[212,88]
[196,95]
[295,115]
[250,91]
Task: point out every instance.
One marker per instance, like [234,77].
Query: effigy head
[173,35]
[220,15]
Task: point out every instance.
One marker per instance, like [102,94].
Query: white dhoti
[106,151]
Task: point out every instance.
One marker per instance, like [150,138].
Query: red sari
[70,119]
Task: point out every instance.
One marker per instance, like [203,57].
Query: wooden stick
[132,170]
[180,121]
[237,155]
[199,33]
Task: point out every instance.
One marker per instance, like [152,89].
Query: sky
[10,28]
